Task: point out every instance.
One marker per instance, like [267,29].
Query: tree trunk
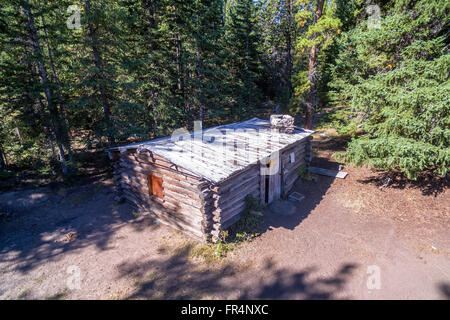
[289,62]
[54,114]
[180,76]
[17,131]
[311,98]
[150,11]
[99,65]
[65,127]
[247,71]
[2,159]
[200,94]
[224,12]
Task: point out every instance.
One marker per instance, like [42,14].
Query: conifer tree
[395,80]
[244,61]
[318,22]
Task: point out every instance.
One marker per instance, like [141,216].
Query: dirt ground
[349,239]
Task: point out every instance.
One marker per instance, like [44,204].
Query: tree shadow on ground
[444,288]
[177,276]
[428,184]
[87,214]
[314,191]
[284,284]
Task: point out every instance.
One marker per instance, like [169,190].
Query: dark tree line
[137,69]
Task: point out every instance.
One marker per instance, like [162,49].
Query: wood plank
[298,154]
[327,172]
[244,174]
[275,185]
[148,168]
[162,211]
[262,189]
[254,191]
[173,204]
[293,168]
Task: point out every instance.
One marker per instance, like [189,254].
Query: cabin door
[270,184]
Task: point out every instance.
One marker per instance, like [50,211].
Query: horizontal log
[250,171]
[288,186]
[291,178]
[176,206]
[185,201]
[240,195]
[167,185]
[225,225]
[294,146]
[224,214]
[196,203]
[163,212]
[152,169]
[298,154]
[145,159]
[167,181]
[238,182]
[179,182]
[223,199]
[192,232]
[293,167]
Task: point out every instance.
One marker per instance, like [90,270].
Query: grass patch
[40,280]
[211,252]
[135,214]
[24,293]
[151,276]
[58,296]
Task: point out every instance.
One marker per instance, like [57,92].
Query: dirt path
[340,237]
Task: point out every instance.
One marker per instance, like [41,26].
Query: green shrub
[304,173]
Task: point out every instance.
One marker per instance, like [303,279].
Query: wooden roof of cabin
[224,151]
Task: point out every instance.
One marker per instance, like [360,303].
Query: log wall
[183,205]
[229,198]
[302,153]
[191,204]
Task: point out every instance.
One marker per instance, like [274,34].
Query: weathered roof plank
[216,158]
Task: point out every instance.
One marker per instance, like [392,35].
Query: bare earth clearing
[322,251]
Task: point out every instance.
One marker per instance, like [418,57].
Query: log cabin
[197,182]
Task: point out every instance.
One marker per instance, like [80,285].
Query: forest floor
[348,239]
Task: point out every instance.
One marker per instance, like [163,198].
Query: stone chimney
[282,122]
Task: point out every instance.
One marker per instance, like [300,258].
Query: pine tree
[319,24]
[244,61]
[209,85]
[395,79]
[35,59]
[278,32]
[102,80]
